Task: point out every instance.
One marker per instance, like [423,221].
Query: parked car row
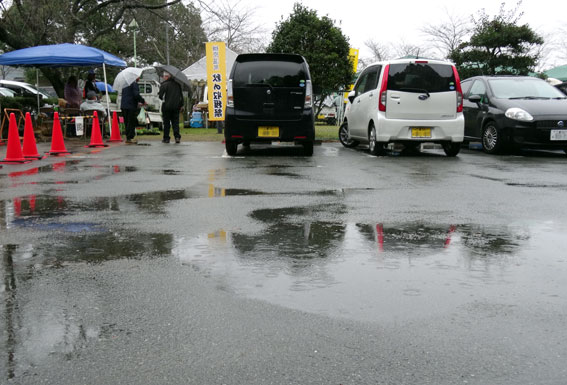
[21,89]
[415,101]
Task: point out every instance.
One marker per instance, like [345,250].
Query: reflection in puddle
[34,210]
[280,173]
[372,271]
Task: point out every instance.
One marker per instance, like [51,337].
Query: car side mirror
[351,96]
[475,99]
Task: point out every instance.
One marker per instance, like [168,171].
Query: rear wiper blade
[422,90]
[258,85]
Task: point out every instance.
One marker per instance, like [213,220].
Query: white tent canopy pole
[107,98]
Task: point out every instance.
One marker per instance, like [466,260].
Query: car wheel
[452,148]
[376,148]
[343,137]
[492,141]
[308,148]
[231,147]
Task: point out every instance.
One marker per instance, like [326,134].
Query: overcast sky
[396,21]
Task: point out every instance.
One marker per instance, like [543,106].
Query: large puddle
[367,271]
[380,271]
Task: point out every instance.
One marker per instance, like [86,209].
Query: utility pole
[166,35]
[133,26]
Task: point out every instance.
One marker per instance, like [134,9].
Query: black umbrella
[176,74]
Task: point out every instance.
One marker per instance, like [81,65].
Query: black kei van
[269,100]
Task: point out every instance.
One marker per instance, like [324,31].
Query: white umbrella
[126,77]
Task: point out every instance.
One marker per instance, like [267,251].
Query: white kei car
[408,101]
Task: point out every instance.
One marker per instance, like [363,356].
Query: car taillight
[308,94]
[383,89]
[229,95]
[459,90]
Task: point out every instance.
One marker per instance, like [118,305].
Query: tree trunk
[56,79]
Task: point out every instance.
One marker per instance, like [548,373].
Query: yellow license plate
[268,132]
[418,132]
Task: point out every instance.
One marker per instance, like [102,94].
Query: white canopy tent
[198,70]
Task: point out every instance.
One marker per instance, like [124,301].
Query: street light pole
[133,26]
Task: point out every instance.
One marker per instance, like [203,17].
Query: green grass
[322,132]
[326,133]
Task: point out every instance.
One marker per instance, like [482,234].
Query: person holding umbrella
[171,94]
[129,106]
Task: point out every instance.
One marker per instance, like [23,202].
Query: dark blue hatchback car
[506,112]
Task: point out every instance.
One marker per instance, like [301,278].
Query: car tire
[343,137]
[308,148]
[452,148]
[376,148]
[492,141]
[231,147]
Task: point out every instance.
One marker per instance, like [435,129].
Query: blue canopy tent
[62,55]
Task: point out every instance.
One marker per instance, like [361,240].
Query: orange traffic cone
[57,143]
[14,151]
[30,147]
[96,136]
[115,129]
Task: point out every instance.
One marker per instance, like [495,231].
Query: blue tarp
[60,55]
[102,86]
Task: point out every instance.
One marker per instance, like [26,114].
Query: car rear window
[420,77]
[273,73]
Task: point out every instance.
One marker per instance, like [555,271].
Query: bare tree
[378,50]
[403,49]
[447,36]
[556,47]
[229,21]
[547,52]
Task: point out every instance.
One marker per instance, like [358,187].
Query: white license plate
[558,135]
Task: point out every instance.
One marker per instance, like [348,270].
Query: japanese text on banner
[216,79]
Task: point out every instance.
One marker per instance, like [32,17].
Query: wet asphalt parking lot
[176,264]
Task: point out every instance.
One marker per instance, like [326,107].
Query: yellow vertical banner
[353,56]
[216,79]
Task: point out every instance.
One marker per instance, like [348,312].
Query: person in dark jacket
[129,106]
[90,85]
[172,96]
